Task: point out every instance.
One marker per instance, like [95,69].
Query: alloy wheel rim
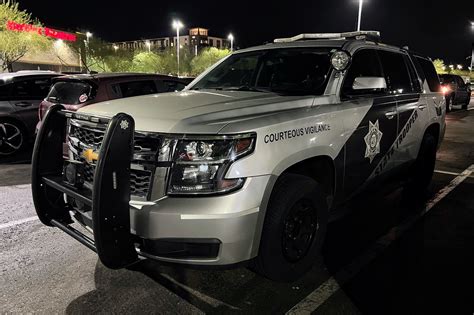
[299,230]
[11,138]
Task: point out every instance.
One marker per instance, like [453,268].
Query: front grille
[87,136]
[145,148]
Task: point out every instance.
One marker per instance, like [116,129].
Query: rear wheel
[449,104]
[423,168]
[466,103]
[12,137]
[294,229]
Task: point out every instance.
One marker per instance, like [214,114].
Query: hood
[196,111]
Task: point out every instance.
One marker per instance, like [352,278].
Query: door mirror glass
[369,83]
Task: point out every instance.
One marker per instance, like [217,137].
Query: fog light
[72,173]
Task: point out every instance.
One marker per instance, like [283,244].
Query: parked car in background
[20,95]
[456,91]
[79,90]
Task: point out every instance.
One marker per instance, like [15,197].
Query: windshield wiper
[246,88]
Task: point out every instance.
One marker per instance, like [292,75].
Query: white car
[245,164]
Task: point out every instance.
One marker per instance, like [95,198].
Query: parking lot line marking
[446,172]
[17,222]
[321,294]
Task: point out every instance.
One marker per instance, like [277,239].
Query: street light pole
[231,38]
[177,25]
[472,56]
[360,14]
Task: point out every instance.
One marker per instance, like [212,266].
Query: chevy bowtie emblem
[90,155]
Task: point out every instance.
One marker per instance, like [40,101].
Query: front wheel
[294,229]
[12,138]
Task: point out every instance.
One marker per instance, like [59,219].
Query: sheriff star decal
[124,124]
[372,141]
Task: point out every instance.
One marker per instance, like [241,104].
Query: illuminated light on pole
[58,43]
[177,25]
[459,67]
[148,44]
[360,14]
[88,36]
[116,47]
[231,38]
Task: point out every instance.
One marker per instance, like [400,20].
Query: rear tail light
[445,89]
[42,110]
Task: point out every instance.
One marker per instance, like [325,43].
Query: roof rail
[359,35]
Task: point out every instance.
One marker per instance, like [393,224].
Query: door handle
[390,115]
[421,107]
[23,104]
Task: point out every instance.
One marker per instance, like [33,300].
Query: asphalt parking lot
[387,255]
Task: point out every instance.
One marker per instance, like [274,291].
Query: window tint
[396,72]
[365,63]
[460,82]
[430,74]
[35,89]
[135,88]
[4,90]
[415,83]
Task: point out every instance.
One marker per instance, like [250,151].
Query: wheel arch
[321,168]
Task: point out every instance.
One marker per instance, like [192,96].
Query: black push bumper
[110,196]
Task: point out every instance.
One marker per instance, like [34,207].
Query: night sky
[439,29]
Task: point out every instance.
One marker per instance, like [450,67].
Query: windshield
[70,93]
[285,71]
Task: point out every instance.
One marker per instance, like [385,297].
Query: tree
[93,52]
[120,61]
[439,66]
[148,62]
[207,58]
[15,44]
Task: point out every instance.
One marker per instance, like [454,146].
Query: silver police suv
[246,163]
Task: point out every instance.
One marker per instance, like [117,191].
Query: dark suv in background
[456,91]
[76,91]
[20,95]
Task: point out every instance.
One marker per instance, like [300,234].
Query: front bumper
[217,230]
[232,220]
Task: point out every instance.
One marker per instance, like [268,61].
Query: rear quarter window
[429,73]
[70,93]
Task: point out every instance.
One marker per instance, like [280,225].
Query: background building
[196,39]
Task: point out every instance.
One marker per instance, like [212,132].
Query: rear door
[371,120]
[404,84]
[26,95]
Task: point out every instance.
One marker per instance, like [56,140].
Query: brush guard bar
[110,196]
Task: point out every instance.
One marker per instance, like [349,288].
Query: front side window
[396,72]
[300,71]
[365,63]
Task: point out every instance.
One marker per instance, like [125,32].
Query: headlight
[200,164]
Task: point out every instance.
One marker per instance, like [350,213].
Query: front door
[371,121]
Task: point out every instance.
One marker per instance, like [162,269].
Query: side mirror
[369,83]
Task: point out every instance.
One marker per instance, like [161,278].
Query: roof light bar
[373,35]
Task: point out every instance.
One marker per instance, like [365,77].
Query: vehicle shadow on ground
[240,290]
[22,157]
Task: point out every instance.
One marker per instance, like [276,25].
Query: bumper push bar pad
[111,188]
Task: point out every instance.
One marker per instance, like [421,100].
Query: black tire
[466,104]
[12,137]
[423,169]
[449,104]
[294,229]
